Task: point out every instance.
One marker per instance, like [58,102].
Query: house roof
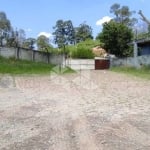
[144,40]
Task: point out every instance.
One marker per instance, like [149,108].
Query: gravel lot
[89,110]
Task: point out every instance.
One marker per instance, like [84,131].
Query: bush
[83,52]
[84,49]
[80,50]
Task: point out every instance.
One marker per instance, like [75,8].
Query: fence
[76,64]
[80,64]
[32,55]
[130,61]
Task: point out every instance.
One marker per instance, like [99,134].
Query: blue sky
[36,16]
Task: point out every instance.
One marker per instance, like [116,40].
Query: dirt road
[89,110]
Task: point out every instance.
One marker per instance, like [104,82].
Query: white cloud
[48,35]
[103,20]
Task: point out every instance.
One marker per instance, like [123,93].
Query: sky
[38,17]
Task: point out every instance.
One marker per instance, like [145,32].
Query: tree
[29,43]
[5,27]
[145,19]
[83,32]
[70,32]
[12,39]
[64,33]
[21,37]
[43,43]
[116,37]
[4,22]
[123,14]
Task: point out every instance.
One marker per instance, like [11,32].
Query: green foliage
[83,53]
[5,27]
[29,43]
[43,43]
[84,49]
[123,14]
[11,37]
[64,33]
[83,32]
[89,43]
[142,72]
[14,66]
[116,37]
[70,49]
[144,19]
[21,37]
[56,51]
[80,50]
[4,22]
[13,40]
[143,35]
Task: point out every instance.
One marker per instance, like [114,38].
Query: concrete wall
[31,55]
[25,54]
[86,64]
[40,57]
[77,64]
[81,64]
[7,52]
[130,61]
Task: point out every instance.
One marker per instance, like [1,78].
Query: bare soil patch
[90,110]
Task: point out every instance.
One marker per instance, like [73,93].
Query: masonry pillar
[17,53]
[33,55]
[135,54]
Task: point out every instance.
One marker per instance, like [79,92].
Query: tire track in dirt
[84,138]
[65,115]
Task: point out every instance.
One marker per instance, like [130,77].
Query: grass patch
[14,66]
[143,72]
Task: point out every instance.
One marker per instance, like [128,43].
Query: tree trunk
[144,18]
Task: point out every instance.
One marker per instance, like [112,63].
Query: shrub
[83,52]
[84,49]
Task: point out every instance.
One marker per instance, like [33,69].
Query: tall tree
[123,14]
[83,32]
[13,38]
[21,37]
[64,33]
[4,22]
[70,32]
[29,43]
[5,27]
[145,19]
[116,37]
[43,43]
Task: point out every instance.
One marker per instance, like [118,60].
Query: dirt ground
[89,110]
